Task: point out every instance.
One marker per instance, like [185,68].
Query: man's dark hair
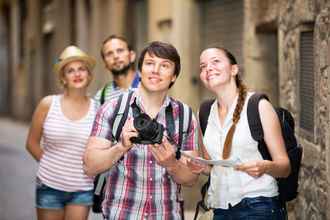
[162,50]
[113,36]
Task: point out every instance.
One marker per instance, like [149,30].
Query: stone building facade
[302,80]
[282,46]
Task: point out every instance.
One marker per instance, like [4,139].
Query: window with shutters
[306,83]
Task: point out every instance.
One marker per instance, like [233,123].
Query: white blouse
[229,186]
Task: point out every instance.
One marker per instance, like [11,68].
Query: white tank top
[227,185]
[64,142]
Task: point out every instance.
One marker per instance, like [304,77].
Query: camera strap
[136,109]
[170,127]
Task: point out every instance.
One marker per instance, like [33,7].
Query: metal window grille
[306,82]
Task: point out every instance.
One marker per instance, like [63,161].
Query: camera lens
[150,131]
[145,126]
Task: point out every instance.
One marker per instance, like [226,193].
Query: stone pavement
[17,175]
[17,171]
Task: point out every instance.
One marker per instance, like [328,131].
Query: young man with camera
[145,176]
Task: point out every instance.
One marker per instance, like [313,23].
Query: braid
[242,91]
[241,98]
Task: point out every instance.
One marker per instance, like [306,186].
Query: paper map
[224,163]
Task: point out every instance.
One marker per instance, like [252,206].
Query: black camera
[149,130]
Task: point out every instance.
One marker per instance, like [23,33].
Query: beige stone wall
[186,40]
[160,20]
[261,48]
[176,22]
[315,196]
[20,89]
[107,17]
[4,63]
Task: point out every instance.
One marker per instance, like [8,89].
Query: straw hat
[73,53]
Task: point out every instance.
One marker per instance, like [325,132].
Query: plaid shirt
[137,187]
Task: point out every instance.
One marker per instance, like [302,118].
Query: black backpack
[117,122]
[288,187]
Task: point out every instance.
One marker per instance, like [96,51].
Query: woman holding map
[247,189]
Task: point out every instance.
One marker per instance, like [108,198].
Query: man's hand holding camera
[127,133]
[164,154]
[144,130]
[147,131]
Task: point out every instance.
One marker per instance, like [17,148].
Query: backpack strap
[120,114]
[203,116]
[254,116]
[100,183]
[185,115]
[170,125]
[255,125]
[102,99]
[184,123]
[204,112]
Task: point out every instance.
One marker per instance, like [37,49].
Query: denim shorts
[259,208]
[49,198]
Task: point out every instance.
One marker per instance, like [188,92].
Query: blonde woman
[57,138]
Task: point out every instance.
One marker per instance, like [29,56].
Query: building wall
[20,108]
[175,22]
[4,62]
[294,17]
[39,31]
[261,47]
[107,17]
[323,79]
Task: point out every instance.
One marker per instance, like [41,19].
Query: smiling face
[216,69]
[157,73]
[75,75]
